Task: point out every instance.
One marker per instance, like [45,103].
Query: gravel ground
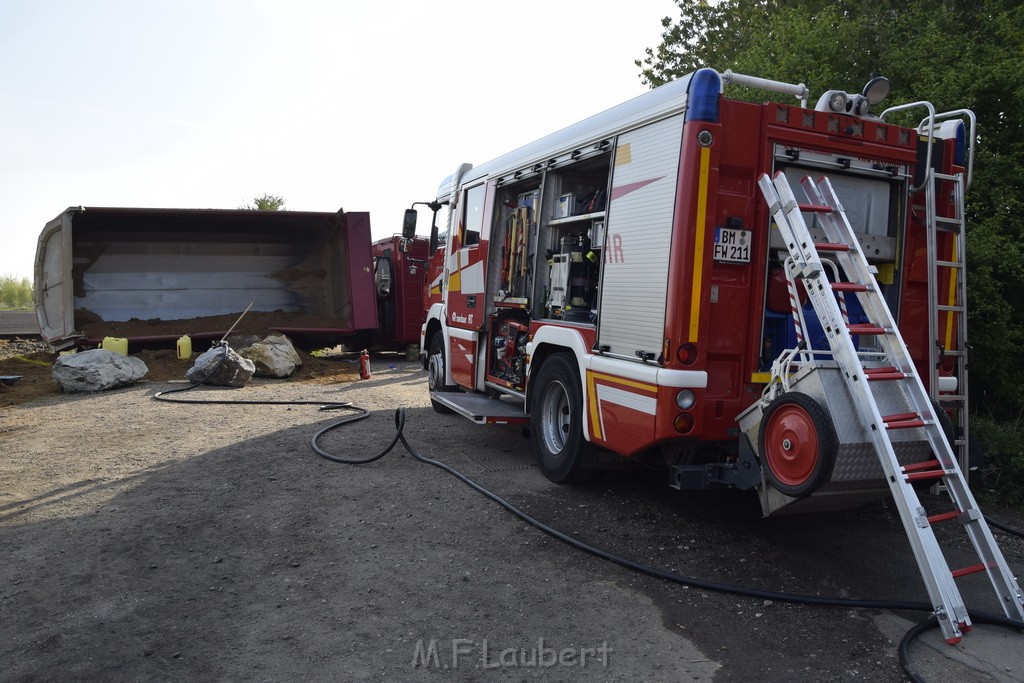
[144,540]
[12,348]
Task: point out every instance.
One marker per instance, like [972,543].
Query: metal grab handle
[931,133]
[971,138]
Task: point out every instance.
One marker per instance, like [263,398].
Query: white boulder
[97,370]
[273,357]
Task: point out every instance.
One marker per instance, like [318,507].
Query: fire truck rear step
[482,409]
[903,399]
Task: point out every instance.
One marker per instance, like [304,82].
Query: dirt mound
[251,323]
[36,381]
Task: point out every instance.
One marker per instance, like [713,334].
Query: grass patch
[1001,477]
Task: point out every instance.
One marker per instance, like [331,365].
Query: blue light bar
[961,144]
[702,104]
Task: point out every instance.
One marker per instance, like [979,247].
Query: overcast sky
[353,104]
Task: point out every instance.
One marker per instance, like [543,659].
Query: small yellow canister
[184,347]
[115,344]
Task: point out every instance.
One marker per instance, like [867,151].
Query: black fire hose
[904,650]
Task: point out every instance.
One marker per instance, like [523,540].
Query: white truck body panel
[639,223]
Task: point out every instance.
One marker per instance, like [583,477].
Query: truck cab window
[473,215]
[444,227]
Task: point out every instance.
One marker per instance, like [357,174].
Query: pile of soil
[35,366]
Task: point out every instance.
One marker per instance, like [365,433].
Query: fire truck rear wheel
[556,422]
[797,444]
[436,371]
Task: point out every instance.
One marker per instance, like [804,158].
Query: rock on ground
[97,370]
[222,367]
[274,356]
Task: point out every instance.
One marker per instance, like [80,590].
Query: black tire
[945,424]
[436,371]
[556,422]
[797,444]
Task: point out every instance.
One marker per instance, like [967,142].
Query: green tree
[16,293]
[952,53]
[267,202]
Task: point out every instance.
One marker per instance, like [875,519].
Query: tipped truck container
[96,265]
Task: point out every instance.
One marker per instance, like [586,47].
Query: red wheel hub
[791,444]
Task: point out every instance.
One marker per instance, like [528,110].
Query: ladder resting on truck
[876,383]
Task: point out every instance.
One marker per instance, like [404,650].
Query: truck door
[54,306]
[466,283]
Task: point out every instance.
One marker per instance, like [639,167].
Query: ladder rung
[866,328]
[950,264]
[815,208]
[958,309]
[930,474]
[973,569]
[899,417]
[926,465]
[905,424]
[943,517]
[887,376]
[947,219]
[829,246]
[955,353]
[849,287]
[873,374]
[952,398]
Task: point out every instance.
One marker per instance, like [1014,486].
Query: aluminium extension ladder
[950,342]
[898,367]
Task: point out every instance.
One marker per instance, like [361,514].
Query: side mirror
[409,224]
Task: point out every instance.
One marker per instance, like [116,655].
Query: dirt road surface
[143,540]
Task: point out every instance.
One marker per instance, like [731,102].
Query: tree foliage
[266,202]
[952,53]
[16,294]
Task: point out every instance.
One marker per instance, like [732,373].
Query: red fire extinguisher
[364,365]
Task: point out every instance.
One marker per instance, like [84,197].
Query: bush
[16,294]
[1001,476]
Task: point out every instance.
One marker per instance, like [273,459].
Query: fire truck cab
[620,285]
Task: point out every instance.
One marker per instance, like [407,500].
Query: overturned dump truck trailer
[100,266]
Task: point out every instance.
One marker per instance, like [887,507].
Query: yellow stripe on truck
[698,244]
[595,418]
[951,301]
[595,408]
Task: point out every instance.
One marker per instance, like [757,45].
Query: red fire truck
[644,284]
[621,286]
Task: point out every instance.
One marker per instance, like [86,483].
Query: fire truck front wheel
[797,444]
[556,422]
[436,371]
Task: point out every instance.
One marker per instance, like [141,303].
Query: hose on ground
[1004,528]
[399,418]
[399,421]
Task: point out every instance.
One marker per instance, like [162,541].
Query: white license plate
[732,245]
